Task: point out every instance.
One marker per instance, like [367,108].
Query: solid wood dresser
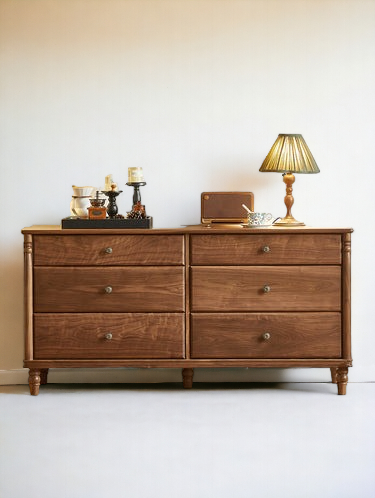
[187,298]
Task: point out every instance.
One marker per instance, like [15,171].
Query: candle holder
[112,208]
[137,192]
[138,210]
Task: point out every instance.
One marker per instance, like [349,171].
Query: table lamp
[289,155]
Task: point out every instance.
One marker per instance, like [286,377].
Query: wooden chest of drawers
[189,298]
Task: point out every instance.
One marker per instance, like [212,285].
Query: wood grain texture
[291,335]
[191,363]
[71,289]
[190,229]
[265,249]
[75,250]
[108,335]
[187,377]
[292,288]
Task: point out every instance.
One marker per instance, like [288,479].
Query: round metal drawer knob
[108,250]
[108,336]
[108,289]
[266,336]
[266,249]
[266,289]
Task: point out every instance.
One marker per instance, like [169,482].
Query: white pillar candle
[135,175]
[108,182]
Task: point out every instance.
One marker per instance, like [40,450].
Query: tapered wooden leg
[334,375]
[34,381]
[187,377]
[342,379]
[43,376]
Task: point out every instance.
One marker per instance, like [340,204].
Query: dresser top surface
[191,229]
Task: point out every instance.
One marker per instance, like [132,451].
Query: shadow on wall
[11,307]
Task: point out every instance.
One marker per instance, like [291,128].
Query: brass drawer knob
[108,289]
[108,336]
[266,336]
[266,289]
[266,249]
[108,250]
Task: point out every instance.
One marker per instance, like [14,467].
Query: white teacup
[259,219]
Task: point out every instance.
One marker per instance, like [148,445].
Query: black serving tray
[72,222]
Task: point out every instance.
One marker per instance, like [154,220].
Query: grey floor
[217,440]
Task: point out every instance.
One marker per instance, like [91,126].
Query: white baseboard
[164,375]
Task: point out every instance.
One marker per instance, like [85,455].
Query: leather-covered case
[225,207]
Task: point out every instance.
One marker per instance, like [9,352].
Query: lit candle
[135,175]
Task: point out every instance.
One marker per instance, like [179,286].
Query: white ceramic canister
[81,201]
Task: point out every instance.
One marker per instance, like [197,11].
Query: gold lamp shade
[289,155]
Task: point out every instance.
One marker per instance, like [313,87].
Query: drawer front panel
[108,250]
[290,288]
[85,289]
[290,335]
[108,336]
[267,249]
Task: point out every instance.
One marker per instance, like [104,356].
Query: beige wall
[195,92]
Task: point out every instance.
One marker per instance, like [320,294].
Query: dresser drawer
[108,250]
[290,288]
[90,289]
[290,335]
[267,249]
[108,336]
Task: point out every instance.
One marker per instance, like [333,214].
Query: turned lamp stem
[289,179]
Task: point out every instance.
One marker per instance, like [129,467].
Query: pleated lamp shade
[289,154]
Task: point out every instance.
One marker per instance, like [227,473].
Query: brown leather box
[225,207]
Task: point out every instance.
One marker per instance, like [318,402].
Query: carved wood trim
[342,379]
[34,381]
[346,297]
[334,374]
[28,296]
[187,296]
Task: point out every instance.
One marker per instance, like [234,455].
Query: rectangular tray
[107,223]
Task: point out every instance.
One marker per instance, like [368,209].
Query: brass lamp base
[288,220]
